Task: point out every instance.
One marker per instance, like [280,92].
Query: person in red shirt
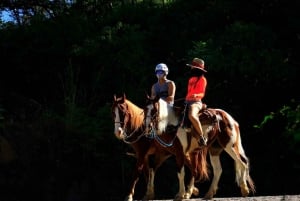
[195,92]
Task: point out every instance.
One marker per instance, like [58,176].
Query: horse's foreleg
[217,171]
[150,185]
[181,192]
[132,187]
[157,161]
[135,178]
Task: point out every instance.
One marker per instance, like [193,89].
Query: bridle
[153,124]
[153,116]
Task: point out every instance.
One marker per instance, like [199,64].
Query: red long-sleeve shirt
[196,88]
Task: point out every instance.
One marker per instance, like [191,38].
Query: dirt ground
[258,198]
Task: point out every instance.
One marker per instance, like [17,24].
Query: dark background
[62,62]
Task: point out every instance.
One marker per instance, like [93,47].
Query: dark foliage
[63,62]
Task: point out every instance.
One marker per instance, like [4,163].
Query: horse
[129,126]
[222,132]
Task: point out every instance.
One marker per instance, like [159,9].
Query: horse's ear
[124,96]
[115,97]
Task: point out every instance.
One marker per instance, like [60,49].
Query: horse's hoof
[245,192]
[187,196]
[148,197]
[128,198]
[195,191]
[179,197]
[208,196]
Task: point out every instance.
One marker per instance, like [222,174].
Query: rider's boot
[202,141]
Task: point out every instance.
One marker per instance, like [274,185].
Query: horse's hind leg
[235,149]
[241,170]
[214,155]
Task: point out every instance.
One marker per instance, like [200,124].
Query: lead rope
[183,117]
[137,139]
[131,134]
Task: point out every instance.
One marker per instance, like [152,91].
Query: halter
[126,114]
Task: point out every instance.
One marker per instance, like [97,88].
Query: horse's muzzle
[119,133]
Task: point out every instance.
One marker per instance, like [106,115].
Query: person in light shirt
[164,88]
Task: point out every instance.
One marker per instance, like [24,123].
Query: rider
[164,88]
[195,93]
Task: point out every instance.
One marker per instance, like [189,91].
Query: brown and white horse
[222,132]
[129,123]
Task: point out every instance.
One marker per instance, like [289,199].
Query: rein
[137,139]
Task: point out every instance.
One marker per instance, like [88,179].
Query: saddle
[206,116]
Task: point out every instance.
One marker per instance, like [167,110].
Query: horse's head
[159,114]
[151,111]
[127,118]
[120,115]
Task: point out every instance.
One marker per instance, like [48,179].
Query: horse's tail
[202,165]
[245,159]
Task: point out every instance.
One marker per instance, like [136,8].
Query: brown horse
[129,123]
[222,132]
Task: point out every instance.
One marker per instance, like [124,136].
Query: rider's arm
[171,92]
[153,94]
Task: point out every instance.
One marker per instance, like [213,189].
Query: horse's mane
[167,115]
[136,114]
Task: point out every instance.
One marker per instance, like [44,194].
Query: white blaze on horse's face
[119,133]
